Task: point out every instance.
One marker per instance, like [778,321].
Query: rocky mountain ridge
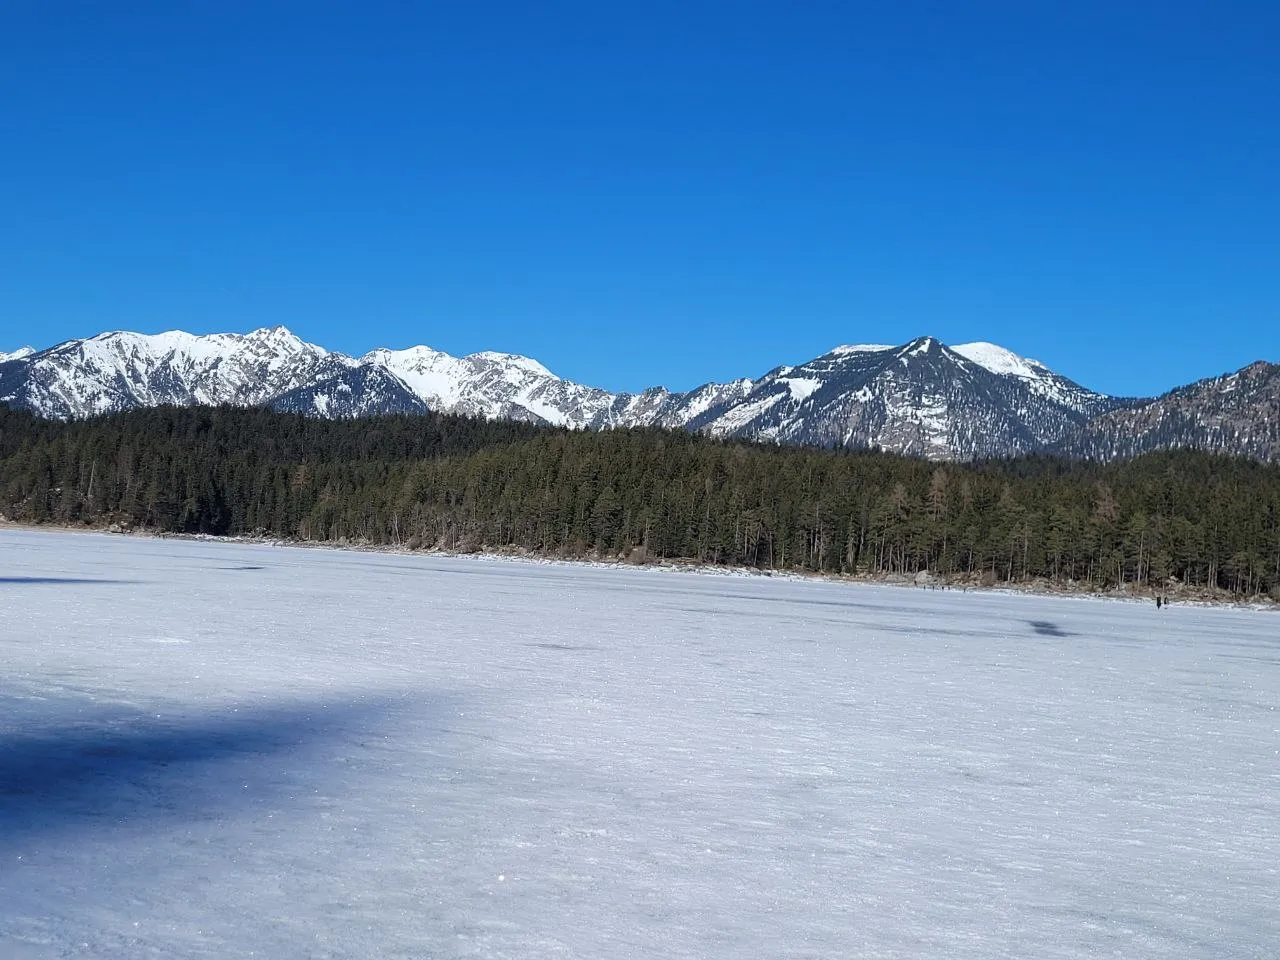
[923,398]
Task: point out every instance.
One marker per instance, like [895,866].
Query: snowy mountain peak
[279,330]
[187,348]
[20,354]
[921,398]
[851,348]
[919,347]
[512,360]
[999,360]
[281,338]
[409,355]
[120,370]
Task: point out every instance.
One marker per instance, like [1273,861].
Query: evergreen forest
[1163,522]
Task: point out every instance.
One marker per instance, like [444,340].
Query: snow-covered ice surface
[222,750]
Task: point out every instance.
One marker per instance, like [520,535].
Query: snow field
[216,750]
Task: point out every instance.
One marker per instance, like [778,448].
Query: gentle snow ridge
[859,348]
[999,360]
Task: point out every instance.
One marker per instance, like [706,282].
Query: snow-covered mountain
[20,354]
[922,398]
[1036,377]
[490,384]
[120,371]
[495,385]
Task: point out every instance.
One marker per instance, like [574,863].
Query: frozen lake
[222,750]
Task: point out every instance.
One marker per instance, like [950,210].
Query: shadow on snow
[1046,628]
[119,770]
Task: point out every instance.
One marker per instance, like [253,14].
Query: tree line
[448,482]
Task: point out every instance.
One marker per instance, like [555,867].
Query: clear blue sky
[652,192]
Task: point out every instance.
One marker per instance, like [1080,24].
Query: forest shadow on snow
[103,770]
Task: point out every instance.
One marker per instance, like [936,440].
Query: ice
[232,750]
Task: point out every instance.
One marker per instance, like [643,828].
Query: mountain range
[922,398]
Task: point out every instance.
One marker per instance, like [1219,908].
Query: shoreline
[1036,588]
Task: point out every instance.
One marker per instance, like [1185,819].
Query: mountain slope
[1238,413]
[923,398]
[120,371]
[492,384]
[359,391]
[1037,378]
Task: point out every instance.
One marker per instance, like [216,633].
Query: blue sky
[652,193]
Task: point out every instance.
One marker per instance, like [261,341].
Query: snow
[489,384]
[997,359]
[699,401]
[20,354]
[737,417]
[1034,374]
[432,375]
[218,750]
[859,348]
[120,369]
[801,387]
[514,361]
